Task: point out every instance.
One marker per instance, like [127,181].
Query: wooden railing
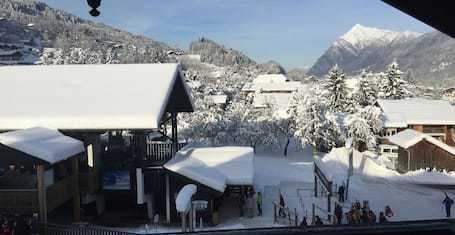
[159,153]
[25,201]
[287,216]
[57,229]
[20,201]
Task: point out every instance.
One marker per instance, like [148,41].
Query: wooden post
[183,217]
[168,200]
[296,218]
[315,186]
[41,193]
[174,133]
[75,189]
[313,211]
[274,212]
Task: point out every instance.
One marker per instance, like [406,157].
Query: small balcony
[158,153]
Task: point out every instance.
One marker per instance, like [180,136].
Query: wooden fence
[57,229]
[160,152]
[289,217]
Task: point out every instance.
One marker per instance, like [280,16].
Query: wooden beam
[41,193]
[75,189]
[168,199]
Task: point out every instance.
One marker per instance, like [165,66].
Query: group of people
[361,214]
[19,225]
[250,203]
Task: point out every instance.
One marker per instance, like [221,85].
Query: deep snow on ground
[292,175]
[381,186]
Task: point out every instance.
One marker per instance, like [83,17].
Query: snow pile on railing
[183,200]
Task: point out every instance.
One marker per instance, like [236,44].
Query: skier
[303,224]
[281,211]
[382,218]
[318,221]
[448,203]
[388,211]
[259,203]
[338,213]
[341,193]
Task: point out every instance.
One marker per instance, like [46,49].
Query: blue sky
[293,32]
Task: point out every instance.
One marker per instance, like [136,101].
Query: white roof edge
[46,144]
[410,137]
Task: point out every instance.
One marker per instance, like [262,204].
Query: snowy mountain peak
[362,36]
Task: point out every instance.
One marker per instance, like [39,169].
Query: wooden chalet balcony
[158,153]
[25,201]
[89,182]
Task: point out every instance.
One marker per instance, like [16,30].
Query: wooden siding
[25,201]
[425,154]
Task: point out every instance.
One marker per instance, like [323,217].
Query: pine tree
[367,93]
[393,86]
[314,128]
[338,100]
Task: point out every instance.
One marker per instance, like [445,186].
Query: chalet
[434,118]
[418,150]
[218,101]
[275,89]
[42,171]
[112,109]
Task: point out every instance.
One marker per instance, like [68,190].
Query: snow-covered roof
[90,97]
[280,100]
[272,87]
[404,112]
[183,199]
[215,167]
[218,99]
[270,78]
[409,137]
[45,144]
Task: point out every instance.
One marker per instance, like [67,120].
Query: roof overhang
[438,14]
[91,97]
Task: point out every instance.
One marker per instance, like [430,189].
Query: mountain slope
[19,44]
[426,57]
[62,30]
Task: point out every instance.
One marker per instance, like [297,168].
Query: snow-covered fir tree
[315,128]
[367,92]
[363,127]
[393,86]
[338,97]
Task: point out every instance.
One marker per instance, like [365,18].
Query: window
[394,150]
[386,150]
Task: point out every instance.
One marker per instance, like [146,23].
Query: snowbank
[183,200]
[336,163]
[335,166]
[434,177]
[43,143]
[215,167]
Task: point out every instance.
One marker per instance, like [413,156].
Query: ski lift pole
[350,170]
